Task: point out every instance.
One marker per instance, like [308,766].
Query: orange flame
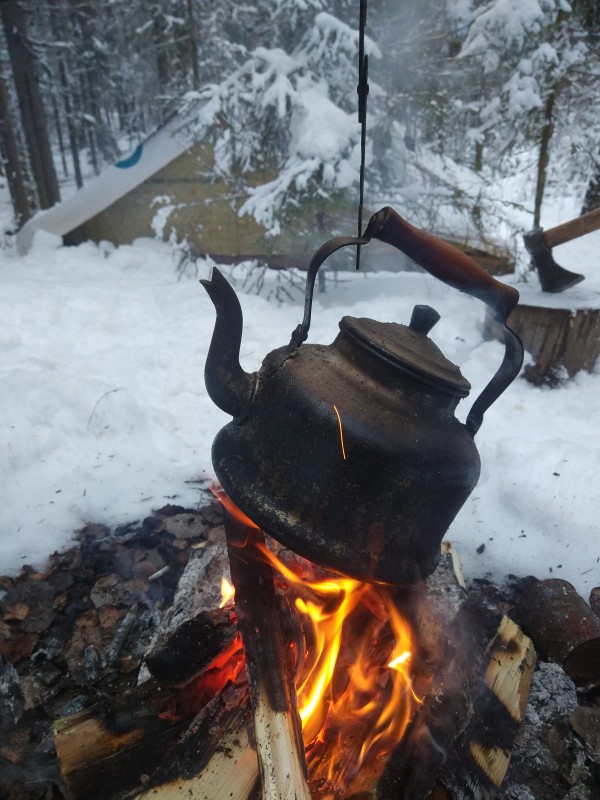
[354,688]
[227,592]
[358,689]
[231,507]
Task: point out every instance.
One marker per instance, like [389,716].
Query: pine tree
[288,107]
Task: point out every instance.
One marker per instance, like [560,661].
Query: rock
[30,604]
[185,526]
[107,591]
[12,704]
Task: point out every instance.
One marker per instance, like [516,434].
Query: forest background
[464,96]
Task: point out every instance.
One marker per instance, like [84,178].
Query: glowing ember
[341,431]
[227,593]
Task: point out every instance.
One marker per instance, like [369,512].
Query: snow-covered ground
[104,415]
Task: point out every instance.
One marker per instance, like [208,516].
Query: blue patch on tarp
[131,160]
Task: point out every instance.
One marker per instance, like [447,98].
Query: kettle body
[353,466]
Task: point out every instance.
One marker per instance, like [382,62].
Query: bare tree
[31,108]
[12,158]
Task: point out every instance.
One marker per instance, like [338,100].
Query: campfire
[385,686]
[181,725]
[351,655]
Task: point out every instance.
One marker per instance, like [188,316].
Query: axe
[539,244]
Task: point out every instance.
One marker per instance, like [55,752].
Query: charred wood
[140,739]
[413,769]
[480,758]
[195,629]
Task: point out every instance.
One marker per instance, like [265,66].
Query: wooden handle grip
[443,261]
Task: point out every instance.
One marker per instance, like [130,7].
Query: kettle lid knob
[423,319]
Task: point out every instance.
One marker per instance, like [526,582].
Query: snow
[105,416]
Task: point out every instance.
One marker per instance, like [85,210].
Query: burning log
[145,737]
[564,628]
[412,771]
[198,625]
[470,718]
[273,696]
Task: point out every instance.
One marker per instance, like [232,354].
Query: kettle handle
[452,267]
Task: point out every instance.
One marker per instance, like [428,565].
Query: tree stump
[562,341]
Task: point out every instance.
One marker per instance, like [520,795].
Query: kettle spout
[228,386]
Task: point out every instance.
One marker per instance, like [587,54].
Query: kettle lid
[408,348]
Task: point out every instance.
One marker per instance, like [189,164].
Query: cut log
[277,727]
[561,341]
[564,628]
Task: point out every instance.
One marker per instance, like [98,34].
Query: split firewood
[564,628]
[413,768]
[97,747]
[215,757]
[277,727]
[106,751]
[482,753]
[231,772]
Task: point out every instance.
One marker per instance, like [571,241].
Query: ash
[549,760]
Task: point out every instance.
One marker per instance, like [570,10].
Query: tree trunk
[59,135]
[193,45]
[31,107]
[12,159]
[544,157]
[162,64]
[592,195]
[71,128]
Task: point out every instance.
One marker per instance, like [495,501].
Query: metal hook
[363,91]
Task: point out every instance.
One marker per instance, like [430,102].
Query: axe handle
[572,229]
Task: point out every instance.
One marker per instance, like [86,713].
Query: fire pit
[186,730]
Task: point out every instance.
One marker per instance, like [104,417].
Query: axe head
[553,277]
